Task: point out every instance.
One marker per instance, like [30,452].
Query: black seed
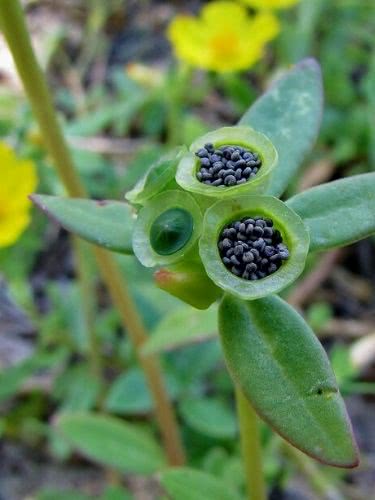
[227,243]
[258,231]
[255,252]
[268,251]
[260,223]
[251,268]
[267,231]
[235,261]
[248,257]
[223,162]
[230,180]
[218,182]
[238,250]
[272,268]
[201,153]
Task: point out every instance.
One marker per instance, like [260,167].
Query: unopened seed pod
[159,177]
[228,162]
[253,246]
[189,282]
[167,229]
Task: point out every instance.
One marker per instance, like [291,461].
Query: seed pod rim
[149,213]
[293,231]
[243,136]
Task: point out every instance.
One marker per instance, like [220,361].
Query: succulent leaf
[105,223]
[281,367]
[339,212]
[290,115]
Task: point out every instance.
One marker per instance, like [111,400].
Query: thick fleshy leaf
[181,327]
[289,114]
[106,223]
[339,212]
[112,442]
[284,371]
[183,483]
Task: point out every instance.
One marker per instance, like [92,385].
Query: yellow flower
[223,38]
[18,180]
[270,4]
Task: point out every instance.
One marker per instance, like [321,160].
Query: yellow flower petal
[18,180]
[12,226]
[270,4]
[224,13]
[224,38]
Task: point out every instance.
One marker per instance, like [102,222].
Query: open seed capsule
[253,246]
[159,177]
[228,162]
[167,228]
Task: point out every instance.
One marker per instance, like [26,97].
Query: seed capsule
[246,254]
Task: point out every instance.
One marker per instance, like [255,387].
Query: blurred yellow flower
[18,180]
[270,4]
[223,38]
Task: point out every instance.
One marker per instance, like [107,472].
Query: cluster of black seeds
[252,248]
[226,165]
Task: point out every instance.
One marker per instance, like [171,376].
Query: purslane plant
[238,243]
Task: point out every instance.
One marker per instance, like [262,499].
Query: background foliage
[123,100]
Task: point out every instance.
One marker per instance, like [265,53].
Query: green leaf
[210,417]
[129,393]
[108,224]
[290,115]
[112,442]
[339,212]
[183,483]
[181,327]
[284,371]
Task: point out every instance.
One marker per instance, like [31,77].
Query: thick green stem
[13,25]
[251,448]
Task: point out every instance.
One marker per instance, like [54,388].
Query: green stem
[12,23]
[251,448]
